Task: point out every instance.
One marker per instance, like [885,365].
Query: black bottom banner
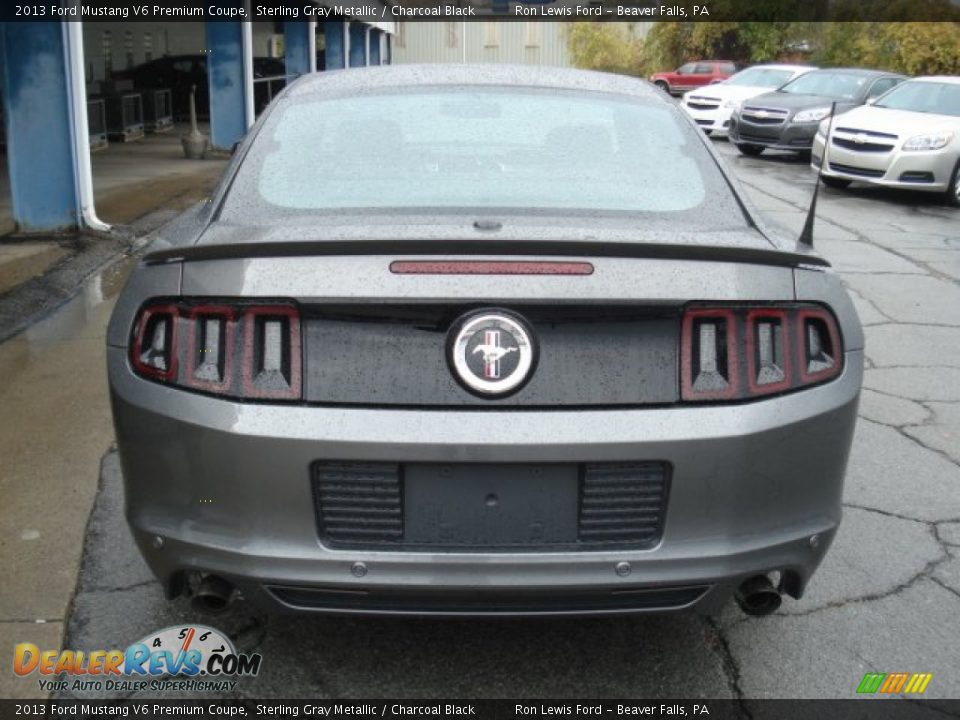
[875,709]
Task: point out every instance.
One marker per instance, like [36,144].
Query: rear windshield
[830,84]
[925,97]
[457,148]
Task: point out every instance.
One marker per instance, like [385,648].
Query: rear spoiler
[552,248]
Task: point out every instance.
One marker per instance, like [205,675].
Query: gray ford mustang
[481,340]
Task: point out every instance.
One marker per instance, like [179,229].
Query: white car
[909,138]
[711,106]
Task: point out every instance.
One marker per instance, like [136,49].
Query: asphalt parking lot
[887,598]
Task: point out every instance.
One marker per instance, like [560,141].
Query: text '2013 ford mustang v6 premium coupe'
[481,340]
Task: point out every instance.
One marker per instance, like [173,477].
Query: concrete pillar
[299,47]
[358,44]
[230,75]
[375,35]
[335,37]
[39,126]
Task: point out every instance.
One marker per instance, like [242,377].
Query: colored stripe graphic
[918,683]
[871,683]
[894,683]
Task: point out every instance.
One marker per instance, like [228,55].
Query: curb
[91,253]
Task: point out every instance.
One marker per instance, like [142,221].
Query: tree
[666,46]
[922,48]
[771,41]
[913,48]
[610,47]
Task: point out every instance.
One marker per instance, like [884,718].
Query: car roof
[781,66]
[860,71]
[389,76]
[949,79]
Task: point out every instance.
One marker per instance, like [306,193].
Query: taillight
[235,349]
[153,351]
[271,356]
[821,348]
[742,352]
[210,331]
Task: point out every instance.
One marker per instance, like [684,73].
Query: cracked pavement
[886,599]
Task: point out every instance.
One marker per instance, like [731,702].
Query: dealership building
[60,100]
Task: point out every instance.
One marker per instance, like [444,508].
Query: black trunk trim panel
[396,356]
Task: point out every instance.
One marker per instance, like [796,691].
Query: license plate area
[490,505]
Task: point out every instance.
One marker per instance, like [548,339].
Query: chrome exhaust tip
[757,596]
[213,595]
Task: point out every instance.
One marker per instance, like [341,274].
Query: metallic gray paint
[227,484]
[747,492]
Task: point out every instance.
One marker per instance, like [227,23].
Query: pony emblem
[491,353]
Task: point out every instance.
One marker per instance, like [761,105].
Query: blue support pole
[335,50]
[229,73]
[375,46]
[296,44]
[42,167]
[358,44]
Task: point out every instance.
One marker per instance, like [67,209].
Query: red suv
[693,75]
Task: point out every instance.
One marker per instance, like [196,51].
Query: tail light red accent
[819,340]
[709,370]
[271,353]
[785,347]
[769,361]
[153,351]
[235,349]
[210,340]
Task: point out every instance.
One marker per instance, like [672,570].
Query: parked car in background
[178,73]
[711,106]
[693,75]
[787,118]
[907,138]
[181,72]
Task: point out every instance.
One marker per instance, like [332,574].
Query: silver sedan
[909,138]
[482,340]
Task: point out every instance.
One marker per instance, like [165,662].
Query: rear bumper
[226,488]
[929,171]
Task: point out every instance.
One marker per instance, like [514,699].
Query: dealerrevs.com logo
[191,658]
